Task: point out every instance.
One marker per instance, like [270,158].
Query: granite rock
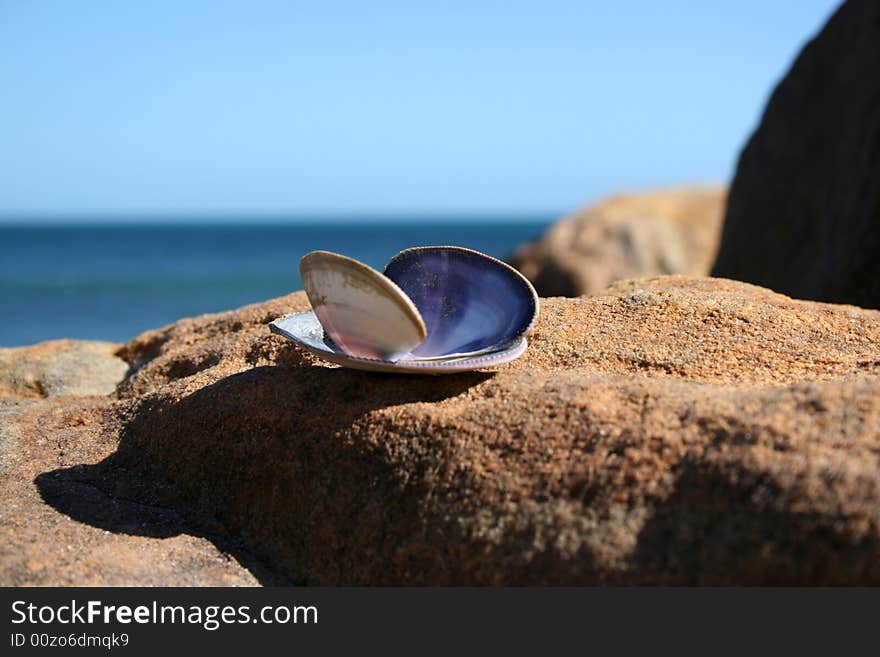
[804,210]
[61,367]
[672,430]
[663,232]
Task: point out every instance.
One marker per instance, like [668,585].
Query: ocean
[106,282]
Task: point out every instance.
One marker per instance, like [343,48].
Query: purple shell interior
[469,302]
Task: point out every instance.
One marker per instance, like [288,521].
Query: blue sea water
[113,282]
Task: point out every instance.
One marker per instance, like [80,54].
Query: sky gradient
[115,109]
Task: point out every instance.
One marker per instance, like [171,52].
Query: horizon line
[273,218]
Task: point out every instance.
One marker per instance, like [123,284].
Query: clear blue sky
[121,108]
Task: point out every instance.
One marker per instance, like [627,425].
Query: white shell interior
[365,313]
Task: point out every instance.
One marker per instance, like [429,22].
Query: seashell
[470,303]
[363,312]
[435,309]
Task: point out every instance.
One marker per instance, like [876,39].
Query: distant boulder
[61,367]
[662,232]
[804,210]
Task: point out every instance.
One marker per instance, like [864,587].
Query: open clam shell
[305,330]
[434,310]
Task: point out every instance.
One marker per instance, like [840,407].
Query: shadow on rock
[111,497]
[729,525]
[261,464]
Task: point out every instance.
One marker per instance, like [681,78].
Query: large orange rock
[665,431]
[804,212]
[673,430]
[672,231]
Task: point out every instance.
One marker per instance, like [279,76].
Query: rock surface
[804,210]
[664,232]
[60,529]
[61,367]
[666,431]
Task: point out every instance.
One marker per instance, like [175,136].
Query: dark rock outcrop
[804,208]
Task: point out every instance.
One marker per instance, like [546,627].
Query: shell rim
[511,352]
[536,302]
